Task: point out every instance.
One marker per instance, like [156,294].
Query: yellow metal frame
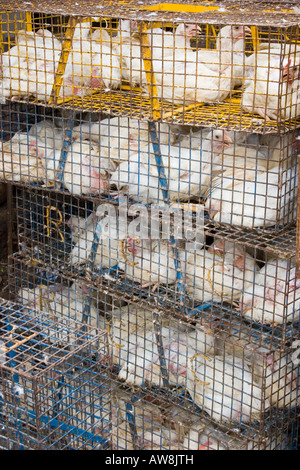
[153,107]
[180,7]
[28,21]
[66,49]
[146,54]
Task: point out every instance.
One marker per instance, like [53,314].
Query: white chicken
[143,363]
[186,82]
[272,369]
[230,50]
[92,63]
[80,225]
[281,150]
[162,44]
[22,159]
[119,137]
[152,432]
[107,254]
[280,379]
[28,69]
[275,295]
[126,321]
[61,305]
[85,171]
[271,86]
[49,143]
[165,43]
[188,171]
[241,157]
[147,262]
[218,274]
[252,197]
[225,389]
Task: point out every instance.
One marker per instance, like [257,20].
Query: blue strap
[164,189]
[63,156]
[87,307]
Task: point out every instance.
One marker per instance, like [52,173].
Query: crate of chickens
[222,272]
[54,393]
[191,64]
[210,359]
[60,297]
[237,178]
[241,373]
[74,152]
[148,421]
[107,247]
[230,372]
[191,277]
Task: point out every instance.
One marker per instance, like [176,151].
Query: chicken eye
[236,28]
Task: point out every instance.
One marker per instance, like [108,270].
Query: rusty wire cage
[222,374]
[53,394]
[234,178]
[145,62]
[245,274]
[153,157]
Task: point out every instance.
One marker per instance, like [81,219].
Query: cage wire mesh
[53,392]
[218,372]
[154,162]
[148,65]
[233,178]
[101,243]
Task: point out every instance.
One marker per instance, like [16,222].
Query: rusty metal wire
[103,67]
[49,396]
[258,11]
[271,398]
[110,122]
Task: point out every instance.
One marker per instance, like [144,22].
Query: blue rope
[87,307]
[164,188]
[64,151]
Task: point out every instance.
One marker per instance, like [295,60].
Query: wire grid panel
[62,299]
[229,370]
[80,296]
[54,394]
[165,74]
[151,422]
[235,178]
[132,250]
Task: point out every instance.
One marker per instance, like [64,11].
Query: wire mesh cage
[150,259]
[227,370]
[154,160]
[53,393]
[234,178]
[145,63]
[57,395]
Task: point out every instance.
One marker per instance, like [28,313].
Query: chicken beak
[193,30]
[247,32]
[213,213]
[227,140]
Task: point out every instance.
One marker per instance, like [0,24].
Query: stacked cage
[151,157]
